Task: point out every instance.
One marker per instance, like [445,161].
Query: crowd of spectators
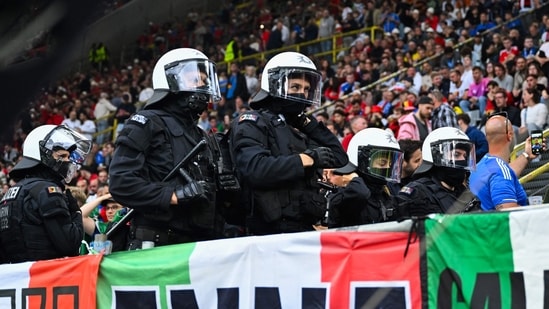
[510,61]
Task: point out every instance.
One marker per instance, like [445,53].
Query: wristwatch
[527,156]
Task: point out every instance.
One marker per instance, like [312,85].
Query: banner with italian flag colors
[67,283]
[485,260]
[348,269]
[496,260]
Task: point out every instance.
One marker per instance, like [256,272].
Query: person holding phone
[495,181]
[537,141]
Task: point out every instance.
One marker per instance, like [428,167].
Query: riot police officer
[440,185]
[279,151]
[38,218]
[179,208]
[363,196]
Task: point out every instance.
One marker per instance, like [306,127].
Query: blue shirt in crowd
[495,183]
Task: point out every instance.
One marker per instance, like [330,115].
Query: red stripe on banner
[348,257]
[67,283]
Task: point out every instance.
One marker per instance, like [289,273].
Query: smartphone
[537,141]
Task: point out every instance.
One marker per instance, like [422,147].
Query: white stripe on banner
[529,231]
[14,276]
[287,263]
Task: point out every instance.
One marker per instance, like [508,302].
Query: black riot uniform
[448,157]
[37,223]
[427,195]
[147,149]
[153,143]
[374,162]
[360,203]
[279,194]
[39,219]
[273,145]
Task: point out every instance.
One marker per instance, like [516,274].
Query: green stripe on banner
[156,269]
[470,261]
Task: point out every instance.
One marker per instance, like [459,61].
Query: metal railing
[338,43]
[110,130]
[536,172]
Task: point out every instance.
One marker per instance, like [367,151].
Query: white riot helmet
[43,141]
[375,152]
[276,76]
[184,70]
[447,147]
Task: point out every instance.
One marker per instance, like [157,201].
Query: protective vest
[301,201]
[431,197]
[22,234]
[202,168]
[380,207]
[347,208]
[100,54]
[229,52]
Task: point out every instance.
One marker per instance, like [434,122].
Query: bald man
[495,180]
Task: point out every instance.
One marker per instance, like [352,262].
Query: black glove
[190,192]
[323,157]
[72,203]
[305,123]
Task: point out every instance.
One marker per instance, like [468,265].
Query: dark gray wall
[119,30]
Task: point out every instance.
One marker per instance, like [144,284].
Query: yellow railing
[109,130]
[337,47]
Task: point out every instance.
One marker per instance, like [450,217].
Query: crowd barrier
[483,260]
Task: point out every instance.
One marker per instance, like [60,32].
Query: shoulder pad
[407,190]
[249,116]
[138,119]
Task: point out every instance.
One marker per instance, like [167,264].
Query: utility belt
[159,236]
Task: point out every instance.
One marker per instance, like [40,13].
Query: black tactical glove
[190,192]
[305,123]
[323,157]
[72,203]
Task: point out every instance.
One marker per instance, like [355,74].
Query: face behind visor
[193,76]
[62,138]
[381,162]
[295,85]
[456,154]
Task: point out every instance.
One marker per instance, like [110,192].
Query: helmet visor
[63,138]
[381,162]
[296,84]
[195,75]
[458,154]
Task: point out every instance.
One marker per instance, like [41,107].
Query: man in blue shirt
[484,24]
[495,181]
